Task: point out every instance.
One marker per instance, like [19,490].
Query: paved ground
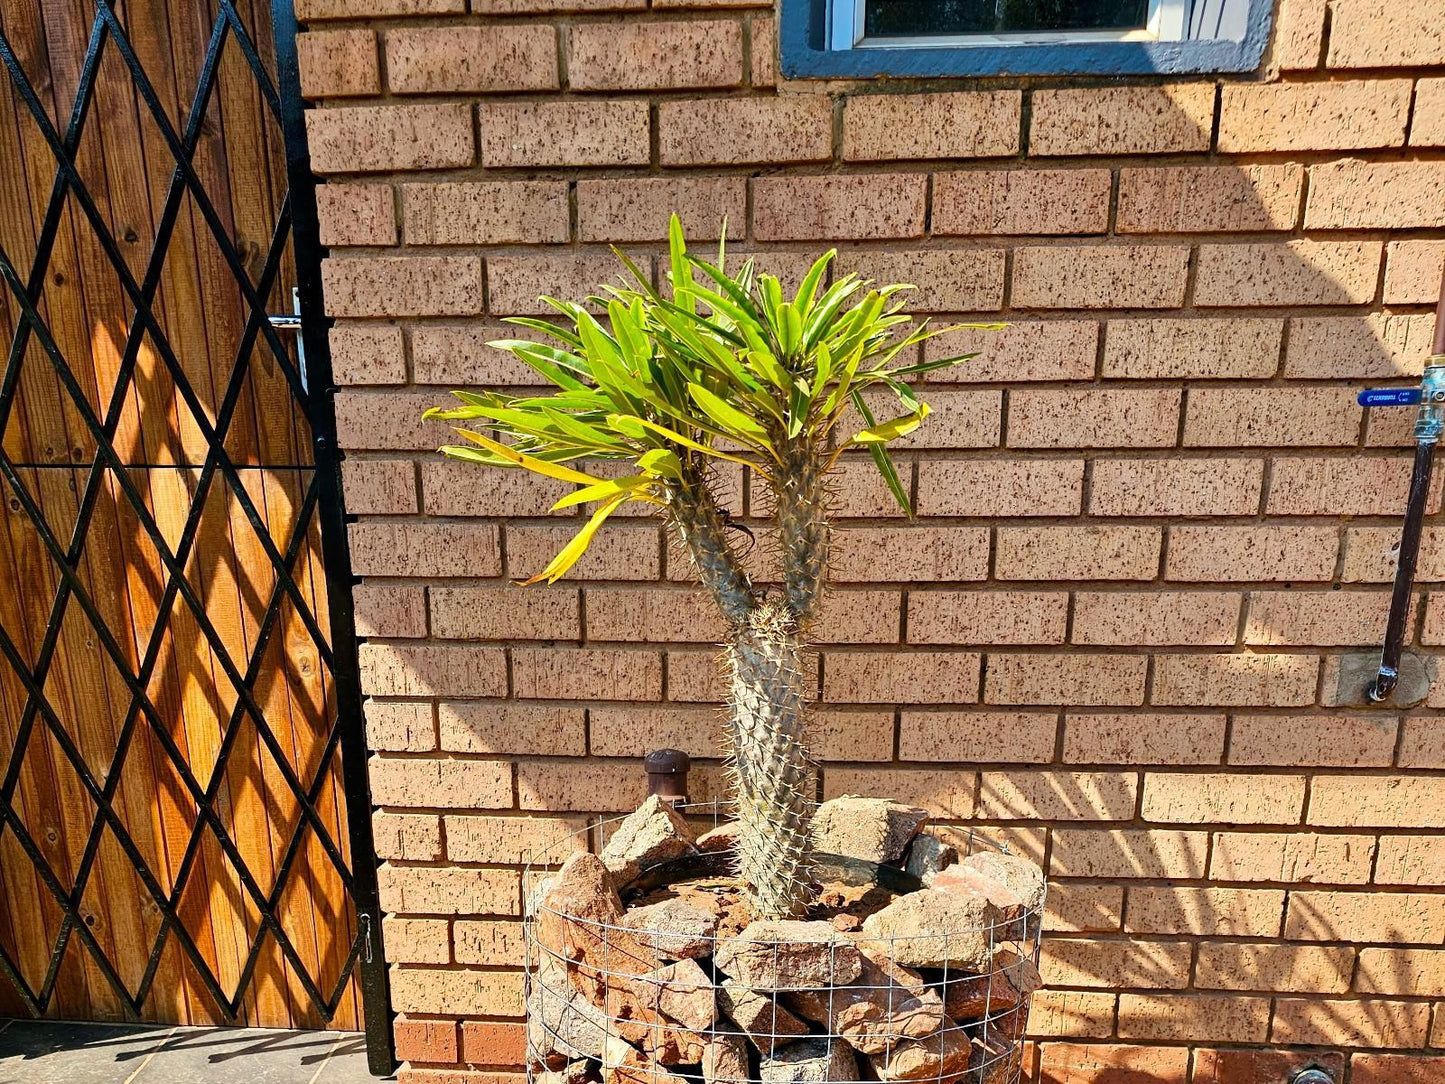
[41,1052]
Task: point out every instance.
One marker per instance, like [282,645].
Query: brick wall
[1152,520]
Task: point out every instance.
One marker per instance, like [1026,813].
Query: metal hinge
[292,322]
[364,921]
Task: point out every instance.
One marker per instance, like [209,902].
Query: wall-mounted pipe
[1429,423]
[1312,1075]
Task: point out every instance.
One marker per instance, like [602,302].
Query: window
[925,38]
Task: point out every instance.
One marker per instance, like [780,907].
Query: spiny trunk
[772,773]
[803,530]
[699,523]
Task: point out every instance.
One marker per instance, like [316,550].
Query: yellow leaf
[572,552]
[539,466]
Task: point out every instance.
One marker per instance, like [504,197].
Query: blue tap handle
[1389,397]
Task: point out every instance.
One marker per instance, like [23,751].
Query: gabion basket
[616,1002]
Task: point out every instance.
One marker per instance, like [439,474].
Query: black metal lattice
[295,231]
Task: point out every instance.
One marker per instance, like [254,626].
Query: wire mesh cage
[678,984]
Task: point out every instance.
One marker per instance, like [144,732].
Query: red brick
[356,214]
[1413,268]
[451,488]
[648,614]
[390,609]
[1395,971]
[366,353]
[764,50]
[1315,618]
[655,55]
[1143,739]
[1100,276]
[389,420]
[1386,917]
[1193,348]
[858,617]
[1223,799]
[961,125]
[455,993]
[503,213]
[637,208]
[497,728]
[850,207]
[363,139]
[391,548]
[1093,418]
[1122,120]
[960,418]
[1216,912]
[1265,553]
[1084,908]
[1077,553]
[948,280]
[505,613]
[1411,860]
[1344,741]
[1209,199]
[560,673]
[1289,273]
[1304,858]
[1129,853]
[536,135]
[1114,963]
[431,670]
[453,784]
[514,283]
[1177,488]
[1386,801]
[987,617]
[1000,487]
[460,355]
[1057,795]
[338,63]
[1071,1014]
[1299,40]
[637,729]
[1371,555]
[1017,201]
[411,837]
[308,10]
[1215,1019]
[1422,745]
[584,785]
[1262,417]
[1380,346]
[846,735]
[425,1040]
[874,677]
[1024,350]
[401,727]
[1428,127]
[402,286]
[513,839]
[1155,617]
[471,59]
[1235,680]
[1369,1022]
[731,131]
[490,1042]
[1357,486]
[1065,679]
[910,554]
[1316,116]
[488,942]
[1373,34]
[1397,1069]
[987,737]
[418,941]
[1356,195]
[947,793]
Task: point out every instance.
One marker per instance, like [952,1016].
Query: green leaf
[662,462]
[891,430]
[808,289]
[681,265]
[882,461]
[726,415]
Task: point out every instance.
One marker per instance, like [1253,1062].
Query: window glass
[912,18]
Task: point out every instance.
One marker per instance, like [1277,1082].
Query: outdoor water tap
[1312,1075]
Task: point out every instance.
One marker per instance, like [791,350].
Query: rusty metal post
[667,775]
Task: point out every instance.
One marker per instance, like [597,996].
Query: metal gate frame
[311,385]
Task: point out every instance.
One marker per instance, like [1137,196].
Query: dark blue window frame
[803,36]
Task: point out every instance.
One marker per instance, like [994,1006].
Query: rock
[577,923]
[1019,875]
[562,1025]
[654,833]
[928,856]
[943,1056]
[667,1012]
[574,1072]
[725,1060]
[889,1002]
[810,1060]
[873,829]
[673,928]
[970,880]
[623,1063]
[765,1021]
[1014,978]
[997,1061]
[773,954]
[932,928]
[846,923]
[724,837]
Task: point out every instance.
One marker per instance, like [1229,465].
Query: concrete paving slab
[46,1052]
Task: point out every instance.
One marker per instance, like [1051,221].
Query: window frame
[811,32]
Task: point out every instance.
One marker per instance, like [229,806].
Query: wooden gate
[184,778]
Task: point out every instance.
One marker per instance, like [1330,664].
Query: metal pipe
[1428,426]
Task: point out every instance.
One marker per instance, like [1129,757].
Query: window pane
[902,18]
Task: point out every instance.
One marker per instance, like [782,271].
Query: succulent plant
[719,367]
